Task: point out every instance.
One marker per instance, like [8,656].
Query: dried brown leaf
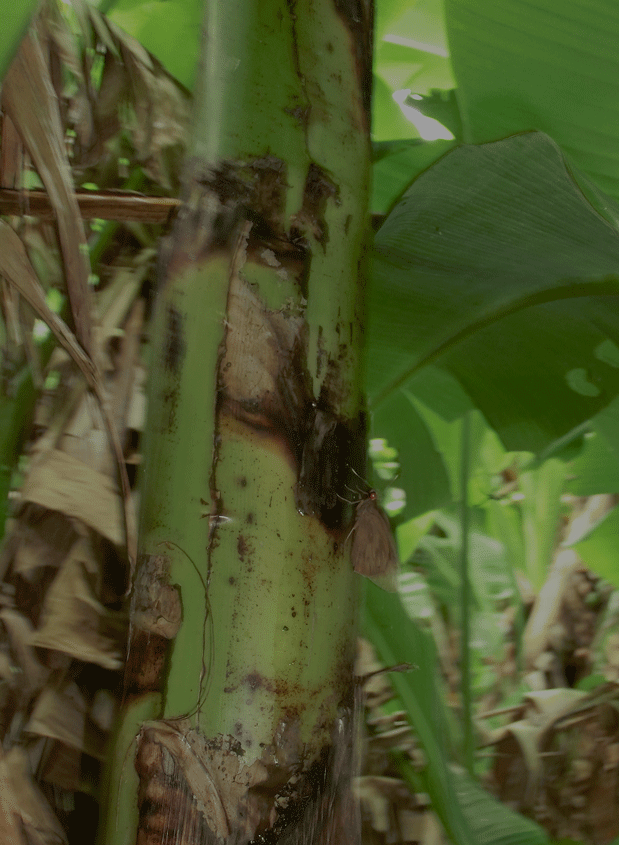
[10,822]
[33,674]
[62,767]
[7,669]
[113,90]
[40,538]
[11,154]
[73,619]
[136,414]
[129,354]
[58,32]
[418,826]
[29,98]
[16,267]
[389,806]
[115,302]
[23,808]
[103,709]
[61,713]
[100,27]
[62,483]
[159,109]
[62,49]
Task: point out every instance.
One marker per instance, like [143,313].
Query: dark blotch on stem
[174,349]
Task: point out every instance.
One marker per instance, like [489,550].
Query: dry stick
[122,206]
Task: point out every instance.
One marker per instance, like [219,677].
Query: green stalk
[245,602]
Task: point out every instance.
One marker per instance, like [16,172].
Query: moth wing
[373,552]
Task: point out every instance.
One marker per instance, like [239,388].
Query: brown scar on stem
[358,18]
[156,614]
[174,344]
[319,188]
[242,547]
[203,787]
[269,388]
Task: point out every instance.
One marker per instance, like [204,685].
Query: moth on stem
[373,551]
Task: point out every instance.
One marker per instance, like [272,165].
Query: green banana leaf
[495,268]
[544,65]
[169,29]
[15,19]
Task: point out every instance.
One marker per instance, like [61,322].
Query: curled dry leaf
[40,538]
[25,814]
[30,100]
[16,267]
[33,674]
[62,483]
[74,621]
[389,807]
[61,713]
[560,763]
[61,766]
[11,154]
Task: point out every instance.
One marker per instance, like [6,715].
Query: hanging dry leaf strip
[15,266]
[29,98]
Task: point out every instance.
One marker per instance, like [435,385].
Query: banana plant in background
[568,374]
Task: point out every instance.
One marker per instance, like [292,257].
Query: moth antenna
[360,477]
[356,492]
